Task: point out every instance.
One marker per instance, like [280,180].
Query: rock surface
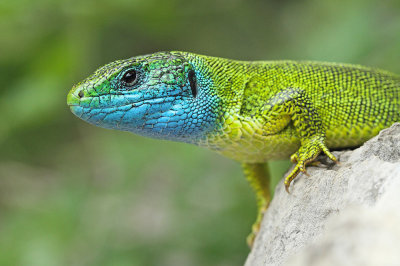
[347,214]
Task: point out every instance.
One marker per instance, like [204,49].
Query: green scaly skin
[251,112]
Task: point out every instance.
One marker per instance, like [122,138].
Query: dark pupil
[129,77]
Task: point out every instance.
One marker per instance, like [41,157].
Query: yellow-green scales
[249,111]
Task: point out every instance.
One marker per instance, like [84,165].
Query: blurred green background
[74,194]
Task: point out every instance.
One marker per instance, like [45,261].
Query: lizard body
[250,111]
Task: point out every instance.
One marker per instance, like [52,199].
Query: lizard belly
[244,140]
[352,136]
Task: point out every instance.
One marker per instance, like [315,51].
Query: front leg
[259,178]
[295,103]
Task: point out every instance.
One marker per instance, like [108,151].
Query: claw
[287,185]
[315,163]
[290,177]
[328,153]
[304,171]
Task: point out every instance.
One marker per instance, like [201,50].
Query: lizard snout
[75,95]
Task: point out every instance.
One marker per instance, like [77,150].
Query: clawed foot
[256,226]
[306,154]
[251,237]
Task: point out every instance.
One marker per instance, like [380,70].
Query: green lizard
[251,112]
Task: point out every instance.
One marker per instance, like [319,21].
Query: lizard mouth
[111,108]
[122,115]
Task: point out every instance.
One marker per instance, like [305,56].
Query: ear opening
[193,83]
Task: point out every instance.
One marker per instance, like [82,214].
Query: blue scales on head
[164,95]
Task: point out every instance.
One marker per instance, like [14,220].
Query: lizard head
[167,95]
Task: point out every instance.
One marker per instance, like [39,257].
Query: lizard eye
[193,84]
[129,78]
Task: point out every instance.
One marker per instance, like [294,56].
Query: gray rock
[347,214]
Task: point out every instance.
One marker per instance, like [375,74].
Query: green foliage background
[73,194]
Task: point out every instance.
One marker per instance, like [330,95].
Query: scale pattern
[349,103]
[251,112]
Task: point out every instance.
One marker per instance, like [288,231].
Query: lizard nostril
[80,94]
